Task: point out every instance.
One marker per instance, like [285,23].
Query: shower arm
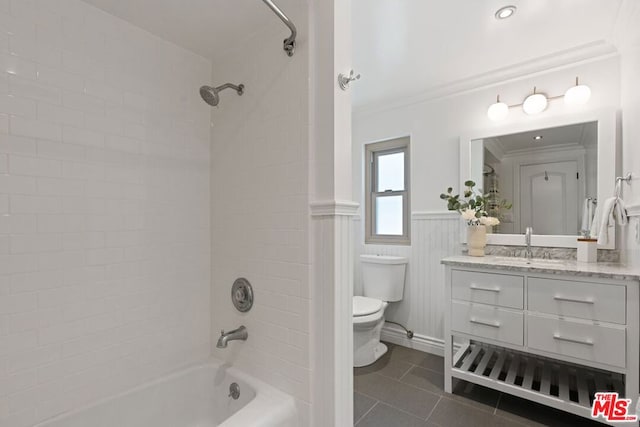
[239,89]
[289,44]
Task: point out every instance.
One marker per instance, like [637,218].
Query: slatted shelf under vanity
[547,378]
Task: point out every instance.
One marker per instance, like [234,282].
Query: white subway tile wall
[260,209]
[104,208]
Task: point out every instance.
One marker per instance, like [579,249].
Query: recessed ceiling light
[537,137]
[505,12]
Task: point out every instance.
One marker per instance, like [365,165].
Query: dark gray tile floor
[405,388]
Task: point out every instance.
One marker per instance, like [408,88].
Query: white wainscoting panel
[332,272]
[433,237]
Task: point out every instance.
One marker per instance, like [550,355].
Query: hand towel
[620,212]
[586,221]
[606,221]
[613,210]
[595,222]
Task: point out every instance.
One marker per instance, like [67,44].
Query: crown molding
[495,147]
[591,52]
[626,33]
[334,208]
[549,149]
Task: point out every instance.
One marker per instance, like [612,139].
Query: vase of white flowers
[489,222]
[476,230]
[476,239]
[472,208]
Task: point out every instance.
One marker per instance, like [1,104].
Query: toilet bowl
[383,282]
[368,320]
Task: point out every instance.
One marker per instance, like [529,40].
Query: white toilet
[383,282]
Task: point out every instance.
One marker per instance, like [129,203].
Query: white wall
[260,198]
[630,99]
[332,211]
[435,127]
[104,202]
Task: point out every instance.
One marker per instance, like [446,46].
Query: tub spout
[237,334]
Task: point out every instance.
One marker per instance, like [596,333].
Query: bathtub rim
[281,403]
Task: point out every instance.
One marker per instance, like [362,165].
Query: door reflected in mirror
[549,175]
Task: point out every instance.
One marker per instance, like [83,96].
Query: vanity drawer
[497,289]
[584,300]
[585,341]
[487,322]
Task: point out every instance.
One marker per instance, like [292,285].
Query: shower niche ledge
[552,338]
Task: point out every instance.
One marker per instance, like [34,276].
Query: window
[387,192]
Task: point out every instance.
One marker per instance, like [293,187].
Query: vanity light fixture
[498,111]
[505,12]
[537,102]
[577,95]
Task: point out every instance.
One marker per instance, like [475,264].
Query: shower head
[211,96]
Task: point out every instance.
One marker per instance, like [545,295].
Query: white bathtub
[197,396]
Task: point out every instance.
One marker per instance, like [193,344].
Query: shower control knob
[242,295]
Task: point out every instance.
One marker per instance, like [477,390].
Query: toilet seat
[366,321]
[363,306]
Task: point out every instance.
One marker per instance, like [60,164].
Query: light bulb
[577,95]
[534,104]
[498,111]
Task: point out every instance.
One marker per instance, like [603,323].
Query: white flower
[489,220]
[468,214]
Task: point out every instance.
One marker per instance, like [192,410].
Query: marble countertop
[603,270]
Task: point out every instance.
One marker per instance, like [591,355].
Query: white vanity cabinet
[551,333]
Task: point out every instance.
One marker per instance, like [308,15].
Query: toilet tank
[383,276]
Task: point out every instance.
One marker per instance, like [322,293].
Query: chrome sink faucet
[237,334]
[527,240]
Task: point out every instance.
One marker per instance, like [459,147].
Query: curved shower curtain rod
[289,44]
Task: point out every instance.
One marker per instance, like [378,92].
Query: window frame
[372,152]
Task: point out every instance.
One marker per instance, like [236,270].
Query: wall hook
[344,81]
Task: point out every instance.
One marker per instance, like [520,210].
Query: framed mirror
[553,171]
